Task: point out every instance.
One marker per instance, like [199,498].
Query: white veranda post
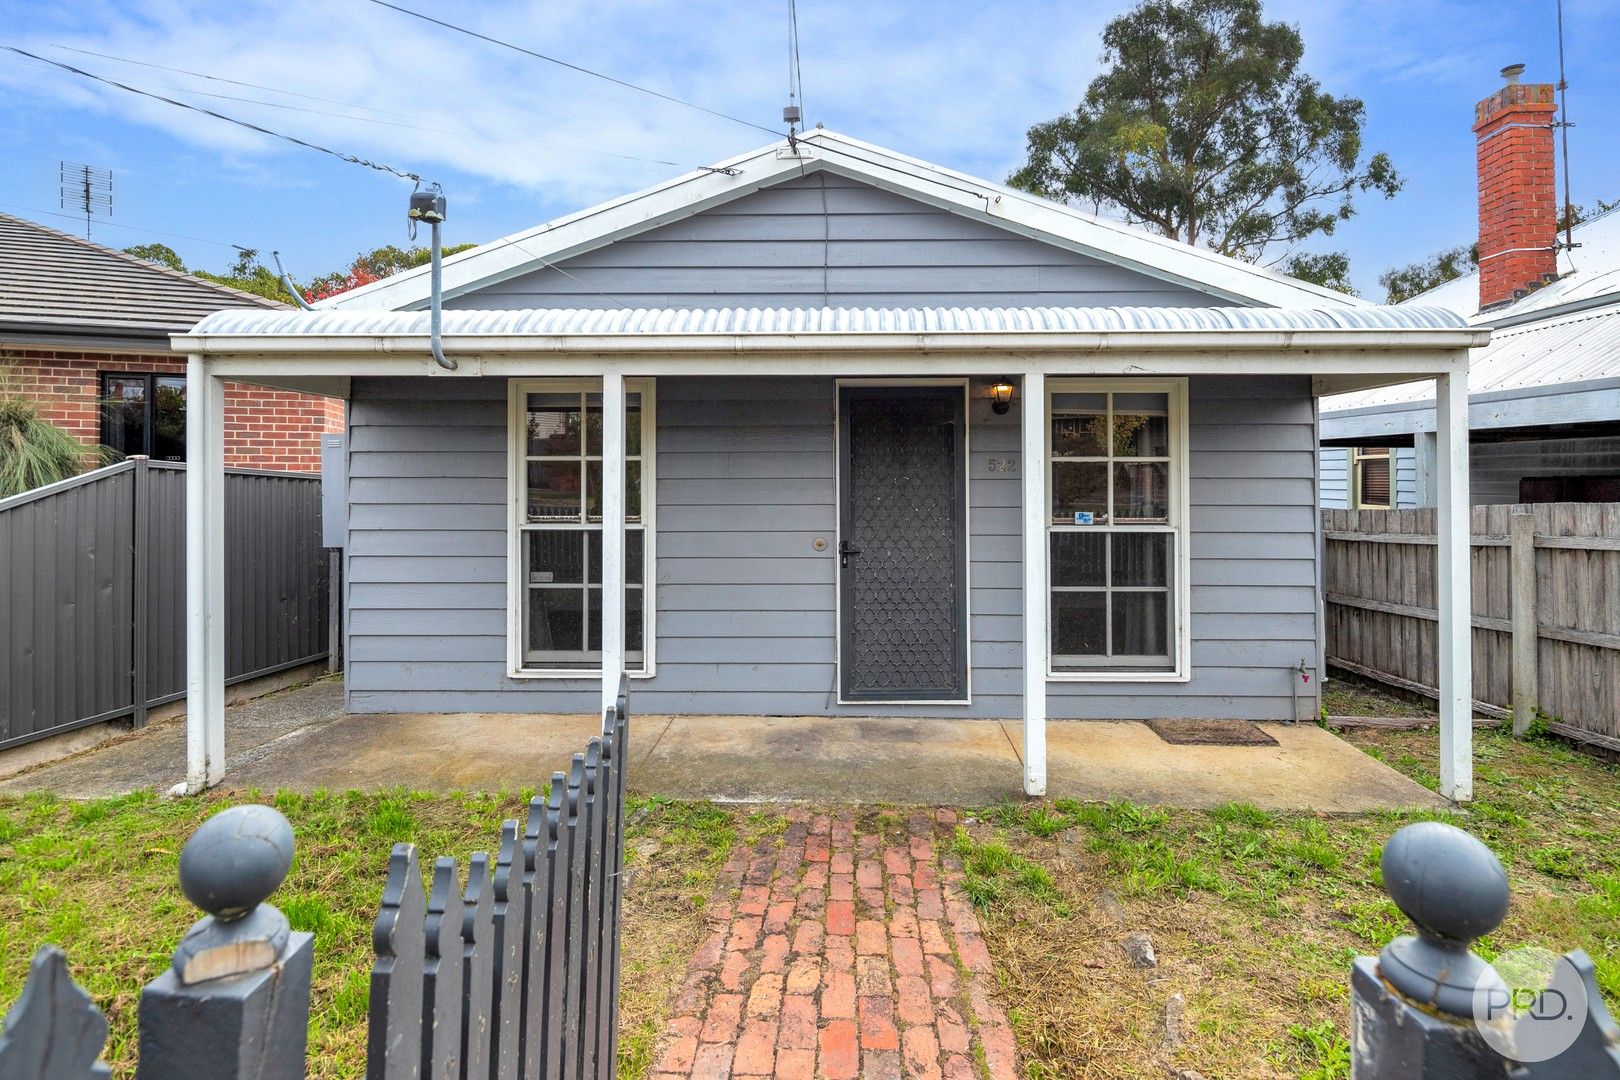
[1033,412]
[205,577]
[1454,594]
[613,419]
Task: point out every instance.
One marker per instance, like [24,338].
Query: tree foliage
[1330,269]
[1404,282]
[1203,126]
[33,451]
[249,274]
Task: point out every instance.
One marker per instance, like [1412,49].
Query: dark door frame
[963,561]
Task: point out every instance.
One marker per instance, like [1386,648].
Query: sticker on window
[1082,517]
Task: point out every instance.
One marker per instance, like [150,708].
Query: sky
[516,141]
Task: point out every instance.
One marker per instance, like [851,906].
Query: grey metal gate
[93,590]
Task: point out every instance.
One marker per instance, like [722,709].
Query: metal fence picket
[477,968]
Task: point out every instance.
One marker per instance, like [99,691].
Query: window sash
[639,484]
[1111,452]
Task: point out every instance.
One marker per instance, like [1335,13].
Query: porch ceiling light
[1001,397]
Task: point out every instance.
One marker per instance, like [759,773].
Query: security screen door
[902,543]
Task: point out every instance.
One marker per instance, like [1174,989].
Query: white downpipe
[1033,414]
[1454,594]
[205,578]
[613,420]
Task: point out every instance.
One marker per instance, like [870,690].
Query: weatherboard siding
[826,240]
[745,605]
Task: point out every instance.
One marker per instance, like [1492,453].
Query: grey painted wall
[1496,468]
[745,605]
[1335,477]
[868,248]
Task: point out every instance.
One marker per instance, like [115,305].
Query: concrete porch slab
[301,739]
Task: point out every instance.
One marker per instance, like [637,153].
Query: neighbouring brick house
[86,329]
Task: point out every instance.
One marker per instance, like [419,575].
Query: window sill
[593,674]
[1119,676]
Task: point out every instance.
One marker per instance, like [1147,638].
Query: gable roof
[1227,279]
[56,287]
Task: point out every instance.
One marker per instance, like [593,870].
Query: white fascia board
[694,192]
[1388,365]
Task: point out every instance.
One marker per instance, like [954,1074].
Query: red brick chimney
[1518,214]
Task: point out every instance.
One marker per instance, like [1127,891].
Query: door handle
[845,551]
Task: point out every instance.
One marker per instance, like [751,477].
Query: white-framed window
[1117,550]
[554,621]
[1370,474]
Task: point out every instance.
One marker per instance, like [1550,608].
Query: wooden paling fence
[1546,609]
[513,974]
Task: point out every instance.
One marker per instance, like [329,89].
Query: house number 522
[1003,464]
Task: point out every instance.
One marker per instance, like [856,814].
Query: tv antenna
[1564,124]
[793,115]
[88,190]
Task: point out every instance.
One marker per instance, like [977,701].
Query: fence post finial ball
[229,868]
[1454,890]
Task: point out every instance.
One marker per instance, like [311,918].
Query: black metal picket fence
[514,974]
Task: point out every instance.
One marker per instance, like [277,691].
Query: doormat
[1211,732]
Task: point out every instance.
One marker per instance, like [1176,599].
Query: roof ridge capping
[562,238]
[744,321]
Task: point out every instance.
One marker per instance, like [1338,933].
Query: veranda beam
[205,577]
[1453,594]
[612,534]
[1033,414]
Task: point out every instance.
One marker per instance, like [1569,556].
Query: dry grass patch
[1255,916]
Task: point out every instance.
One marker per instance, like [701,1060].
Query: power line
[466,132]
[117,225]
[573,67]
[340,155]
[222,79]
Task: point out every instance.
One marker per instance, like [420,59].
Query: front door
[902,543]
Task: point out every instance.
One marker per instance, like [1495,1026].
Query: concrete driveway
[302,739]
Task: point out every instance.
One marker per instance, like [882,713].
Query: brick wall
[1518,213]
[264,428]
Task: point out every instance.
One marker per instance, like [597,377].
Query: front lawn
[1255,916]
[99,879]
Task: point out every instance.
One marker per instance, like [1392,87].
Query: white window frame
[1358,456]
[516,473]
[1179,524]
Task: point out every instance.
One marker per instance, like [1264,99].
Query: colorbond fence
[1557,562]
[93,592]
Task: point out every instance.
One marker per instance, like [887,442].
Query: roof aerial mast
[793,114]
[1563,123]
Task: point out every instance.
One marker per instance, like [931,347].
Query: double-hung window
[556,457]
[1117,528]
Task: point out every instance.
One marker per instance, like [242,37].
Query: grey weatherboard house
[883,439]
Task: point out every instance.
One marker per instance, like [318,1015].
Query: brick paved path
[835,955]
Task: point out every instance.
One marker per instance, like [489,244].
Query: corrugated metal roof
[52,281]
[1586,272]
[734,321]
[1558,350]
